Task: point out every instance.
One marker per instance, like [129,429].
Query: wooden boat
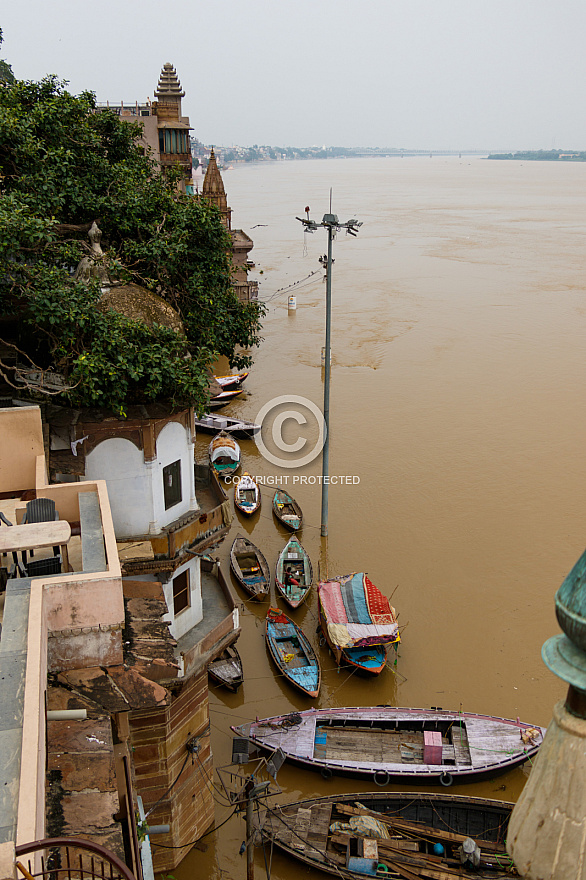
[212,424]
[357,622]
[290,649]
[224,454]
[384,743]
[226,669]
[293,564]
[223,398]
[393,834]
[287,510]
[247,497]
[250,568]
[233,380]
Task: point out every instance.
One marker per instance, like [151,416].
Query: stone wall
[159,739]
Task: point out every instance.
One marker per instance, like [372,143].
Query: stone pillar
[547,830]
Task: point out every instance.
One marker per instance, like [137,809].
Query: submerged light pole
[332,224]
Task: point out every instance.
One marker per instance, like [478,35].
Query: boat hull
[247,495]
[445,819]
[385,743]
[293,556]
[226,670]
[287,510]
[250,568]
[292,653]
[212,424]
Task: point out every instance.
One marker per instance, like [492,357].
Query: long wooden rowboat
[294,573]
[292,652]
[250,568]
[232,380]
[226,669]
[287,510]
[247,497]
[223,398]
[392,834]
[384,743]
[212,424]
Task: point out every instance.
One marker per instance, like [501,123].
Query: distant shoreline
[542,156]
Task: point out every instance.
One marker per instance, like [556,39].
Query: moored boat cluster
[404,836]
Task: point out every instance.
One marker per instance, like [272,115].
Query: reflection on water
[459,363]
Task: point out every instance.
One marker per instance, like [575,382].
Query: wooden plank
[31,536]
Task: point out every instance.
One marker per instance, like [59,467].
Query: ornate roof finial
[169,85]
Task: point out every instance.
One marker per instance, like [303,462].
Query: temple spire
[213,189]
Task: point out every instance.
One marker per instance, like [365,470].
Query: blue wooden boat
[292,652]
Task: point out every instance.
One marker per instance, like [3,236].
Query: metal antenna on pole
[332,224]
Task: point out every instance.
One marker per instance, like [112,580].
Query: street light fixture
[332,224]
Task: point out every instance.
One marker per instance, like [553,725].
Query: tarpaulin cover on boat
[356,612]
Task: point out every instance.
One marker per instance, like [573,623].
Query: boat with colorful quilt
[292,652]
[357,622]
[294,573]
[247,497]
[287,510]
[224,454]
[395,834]
[384,743]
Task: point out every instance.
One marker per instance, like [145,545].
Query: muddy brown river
[457,407]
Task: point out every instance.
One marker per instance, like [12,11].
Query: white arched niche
[121,464]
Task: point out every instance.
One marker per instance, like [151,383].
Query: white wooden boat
[233,380]
[212,424]
[385,743]
[394,834]
[247,497]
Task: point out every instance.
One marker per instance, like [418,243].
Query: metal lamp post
[332,224]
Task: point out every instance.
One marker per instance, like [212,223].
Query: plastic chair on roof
[40,510]
[38,567]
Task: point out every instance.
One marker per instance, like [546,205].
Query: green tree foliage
[6,74]
[63,165]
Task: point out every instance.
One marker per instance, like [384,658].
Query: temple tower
[213,190]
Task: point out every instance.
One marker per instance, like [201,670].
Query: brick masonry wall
[159,738]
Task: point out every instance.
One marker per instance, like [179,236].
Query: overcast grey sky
[426,74]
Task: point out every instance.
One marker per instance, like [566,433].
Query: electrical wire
[193,842]
[163,796]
